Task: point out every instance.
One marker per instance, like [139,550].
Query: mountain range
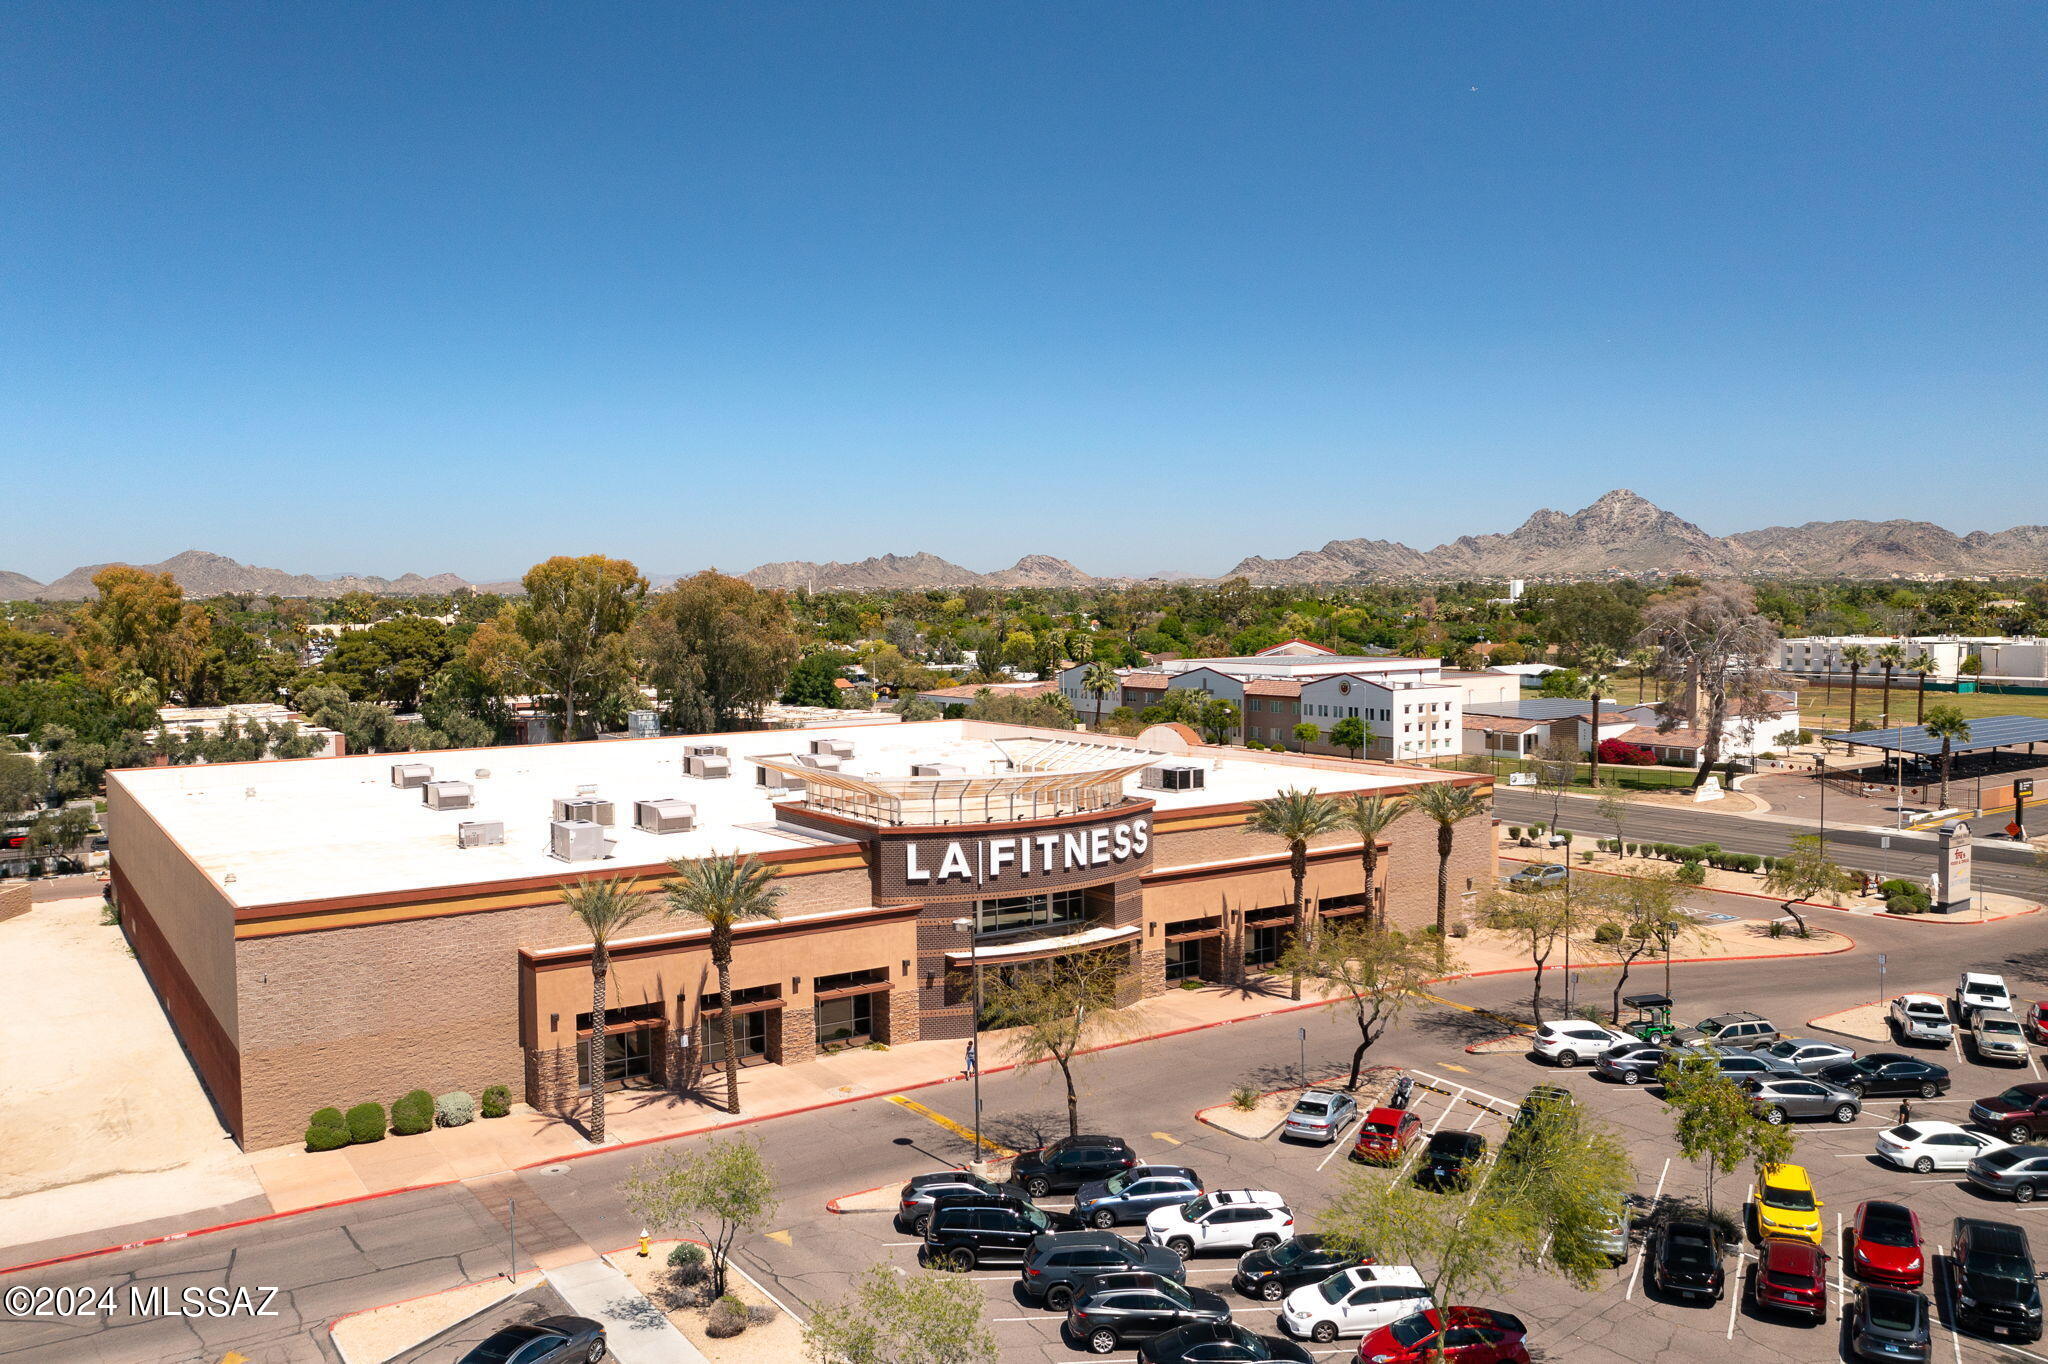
[1620,535]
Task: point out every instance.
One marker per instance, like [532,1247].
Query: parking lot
[1621,1319]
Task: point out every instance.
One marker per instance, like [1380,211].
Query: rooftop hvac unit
[1173,777]
[643,724]
[447,795]
[479,833]
[706,765]
[838,748]
[586,808]
[937,770]
[578,840]
[819,762]
[408,775]
[719,749]
[667,816]
[777,780]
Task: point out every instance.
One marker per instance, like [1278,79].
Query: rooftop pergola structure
[1048,778]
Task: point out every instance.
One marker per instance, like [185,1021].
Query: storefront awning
[1033,948]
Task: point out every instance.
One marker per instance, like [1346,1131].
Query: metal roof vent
[479,833]
[586,808]
[578,840]
[482,772]
[408,775]
[447,795]
[1174,776]
[665,816]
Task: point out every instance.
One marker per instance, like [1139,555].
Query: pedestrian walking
[1905,1111]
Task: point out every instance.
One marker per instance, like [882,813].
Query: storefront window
[1015,912]
[847,1022]
[1262,946]
[628,1056]
[1183,960]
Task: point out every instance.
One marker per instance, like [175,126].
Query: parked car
[1738,1029]
[1537,878]
[1980,990]
[1568,1041]
[1784,1203]
[2016,1172]
[1887,1241]
[1995,1035]
[1132,1195]
[1225,1219]
[1457,1335]
[1805,1055]
[1924,1147]
[551,1340]
[914,1203]
[1921,1018]
[1070,1162]
[1991,1284]
[1687,1260]
[1889,1072]
[1779,1099]
[1632,1064]
[1113,1310]
[1385,1136]
[1319,1115]
[2036,1021]
[969,1233]
[1060,1262]
[1610,1235]
[1273,1273]
[1539,1099]
[2019,1114]
[1741,1066]
[1889,1324]
[1354,1302]
[1203,1341]
[1792,1276]
[1450,1160]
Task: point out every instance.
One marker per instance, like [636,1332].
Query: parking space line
[1735,1298]
[1841,1256]
[1635,1271]
[1941,1295]
[1338,1144]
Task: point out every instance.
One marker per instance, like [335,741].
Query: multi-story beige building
[341,929]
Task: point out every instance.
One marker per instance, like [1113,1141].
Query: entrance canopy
[1986,733]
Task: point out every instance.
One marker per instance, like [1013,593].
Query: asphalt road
[1999,865]
[328,1263]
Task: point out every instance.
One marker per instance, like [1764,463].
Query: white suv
[1572,1040]
[1921,1018]
[1222,1219]
[1354,1303]
[1977,990]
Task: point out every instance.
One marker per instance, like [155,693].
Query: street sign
[2023,786]
[1880,959]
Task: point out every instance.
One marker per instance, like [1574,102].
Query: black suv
[1070,1162]
[1111,1309]
[1687,1260]
[1991,1279]
[914,1204]
[1058,1262]
[1298,1261]
[979,1229]
[1450,1161]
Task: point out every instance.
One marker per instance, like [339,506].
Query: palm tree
[724,892]
[1947,724]
[1448,805]
[1922,664]
[1643,660]
[1892,655]
[1598,663]
[1295,817]
[1369,817]
[605,908]
[1099,681]
[1856,656]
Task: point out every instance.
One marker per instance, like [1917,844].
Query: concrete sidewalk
[635,1328]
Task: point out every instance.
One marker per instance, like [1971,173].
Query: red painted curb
[832,1204]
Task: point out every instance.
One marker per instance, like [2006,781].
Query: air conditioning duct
[447,795]
[405,776]
[666,816]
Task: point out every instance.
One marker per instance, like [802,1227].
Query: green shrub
[1585,857]
[329,1117]
[727,1318]
[1607,933]
[685,1253]
[366,1123]
[453,1110]
[1905,897]
[495,1101]
[323,1137]
[1710,847]
[1514,831]
[412,1114]
[1692,873]
[1245,1098]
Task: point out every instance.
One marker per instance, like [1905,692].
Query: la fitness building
[339,929]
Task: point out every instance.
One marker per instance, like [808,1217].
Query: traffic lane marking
[960,1130]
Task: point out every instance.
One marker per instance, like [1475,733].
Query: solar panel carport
[1986,733]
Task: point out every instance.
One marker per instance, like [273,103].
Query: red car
[1792,1276]
[2036,1023]
[1385,1136]
[1474,1335]
[1888,1245]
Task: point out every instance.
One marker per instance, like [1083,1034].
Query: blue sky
[1149,286]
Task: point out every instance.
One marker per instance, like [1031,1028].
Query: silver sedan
[1806,1055]
[1320,1115]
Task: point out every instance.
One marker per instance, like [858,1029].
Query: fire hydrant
[643,1245]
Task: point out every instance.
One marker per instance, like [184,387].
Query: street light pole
[1820,765]
[979,1164]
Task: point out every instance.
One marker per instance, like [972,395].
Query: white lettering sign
[1031,855]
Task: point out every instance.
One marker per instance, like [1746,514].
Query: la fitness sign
[1021,861]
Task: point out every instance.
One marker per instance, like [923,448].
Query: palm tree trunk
[1298,860]
[1885,704]
[600,967]
[1443,893]
[1920,706]
[1370,856]
[1593,749]
[1947,755]
[732,1053]
[1853,670]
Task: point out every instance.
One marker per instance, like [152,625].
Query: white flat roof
[276,832]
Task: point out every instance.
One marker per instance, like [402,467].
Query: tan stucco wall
[191,913]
